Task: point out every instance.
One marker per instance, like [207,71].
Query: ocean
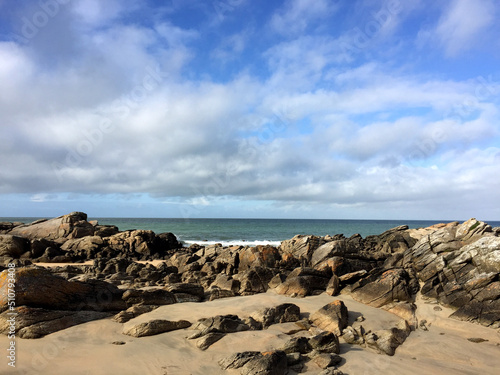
[253,232]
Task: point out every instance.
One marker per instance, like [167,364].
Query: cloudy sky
[375,109]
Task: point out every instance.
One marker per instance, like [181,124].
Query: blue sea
[253,231]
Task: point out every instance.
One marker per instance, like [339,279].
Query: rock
[286,312]
[268,363]
[332,317]
[301,247]
[333,287]
[33,323]
[387,341]
[255,280]
[37,287]
[13,246]
[324,360]
[276,280]
[226,282]
[206,341]
[352,277]
[222,323]
[216,293]
[60,229]
[476,340]
[296,345]
[381,289]
[154,327]
[238,360]
[133,312]
[158,297]
[303,282]
[354,336]
[186,292]
[258,256]
[325,342]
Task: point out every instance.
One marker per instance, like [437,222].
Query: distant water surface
[253,231]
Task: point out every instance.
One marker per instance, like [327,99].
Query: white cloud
[298,15]
[463,24]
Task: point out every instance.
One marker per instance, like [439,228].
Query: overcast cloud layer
[238,108]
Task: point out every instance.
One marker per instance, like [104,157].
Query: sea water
[253,231]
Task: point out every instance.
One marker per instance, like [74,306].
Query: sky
[362,109]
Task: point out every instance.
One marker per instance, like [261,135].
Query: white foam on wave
[233,243]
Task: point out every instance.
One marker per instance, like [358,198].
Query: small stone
[476,340]
[437,308]
[118,343]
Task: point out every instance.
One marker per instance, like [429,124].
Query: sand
[88,348]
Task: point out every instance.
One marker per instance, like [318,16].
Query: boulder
[60,229]
[332,317]
[269,363]
[207,340]
[325,342]
[38,287]
[261,256]
[254,280]
[154,327]
[133,312]
[33,323]
[301,247]
[13,246]
[325,360]
[238,360]
[296,345]
[386,341]
[383,287]
[158,297]
[303,282]
[222,323]
[286,312]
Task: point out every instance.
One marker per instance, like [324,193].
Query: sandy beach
[89,348]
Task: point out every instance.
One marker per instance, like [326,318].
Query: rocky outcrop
[60,229]
[37,287]
[459,265]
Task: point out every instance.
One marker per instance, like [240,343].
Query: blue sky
[236,108]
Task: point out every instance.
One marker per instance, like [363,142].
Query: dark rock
[333,287]
[13,246]
[303,282]
[380,289]
[297,345]
[255,280]
[60,229]
[258,256]
[324,360]
[268,363]
[283,313]
[154,327]
[325,342]
[133,312]
[33,323]
[37,287]
[148,297]
[387,341]
[238,360]
[185,292]
[332,317]
[211,338]
[222,323]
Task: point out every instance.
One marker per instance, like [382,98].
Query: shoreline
[402,299]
